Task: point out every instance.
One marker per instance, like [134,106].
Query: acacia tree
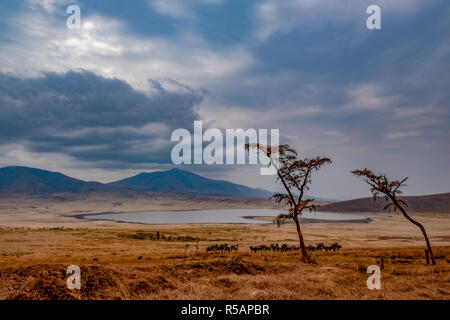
[295,176]
[379,183]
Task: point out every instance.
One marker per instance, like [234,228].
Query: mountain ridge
[26,180]
[181,181]
[437,203]
[34,181]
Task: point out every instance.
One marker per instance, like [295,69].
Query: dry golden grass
[124,263]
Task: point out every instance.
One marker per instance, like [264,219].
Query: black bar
[223,309]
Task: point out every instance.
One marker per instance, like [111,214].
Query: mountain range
[20,181]
[24,180]
[180,181]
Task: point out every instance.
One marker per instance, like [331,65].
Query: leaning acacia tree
[379,183]
[295,176]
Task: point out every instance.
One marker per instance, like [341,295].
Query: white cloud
[48,5]
[369,96]
[18,155]
[177,8]
[402,134]
[282,16]
[227,116]
[40,42]
[171,8]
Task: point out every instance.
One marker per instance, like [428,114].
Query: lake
[245,216]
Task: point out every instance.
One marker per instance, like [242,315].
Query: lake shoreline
[309,220]
[263,220]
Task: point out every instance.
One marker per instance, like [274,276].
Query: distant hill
[30,181]
[24,180]
[181,181]
[435,203]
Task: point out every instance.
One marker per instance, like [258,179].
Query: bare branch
[295,176]
[380,184]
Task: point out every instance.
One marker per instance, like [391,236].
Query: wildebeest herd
[322,246]
[221,248]
[274,247]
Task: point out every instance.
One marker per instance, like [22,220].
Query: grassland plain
[125,261]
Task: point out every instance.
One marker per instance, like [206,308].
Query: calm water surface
[217,216]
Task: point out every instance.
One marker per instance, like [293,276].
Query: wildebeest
[322,246]
[260,248]
[222,248]
[336,246]
[285,247]
[274,247]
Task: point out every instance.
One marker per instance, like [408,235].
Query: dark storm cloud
[91,117]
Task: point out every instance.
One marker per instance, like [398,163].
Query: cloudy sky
[100,103]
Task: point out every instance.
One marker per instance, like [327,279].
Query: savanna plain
[136,261]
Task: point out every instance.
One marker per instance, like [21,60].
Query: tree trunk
[300,237]
[430,252]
